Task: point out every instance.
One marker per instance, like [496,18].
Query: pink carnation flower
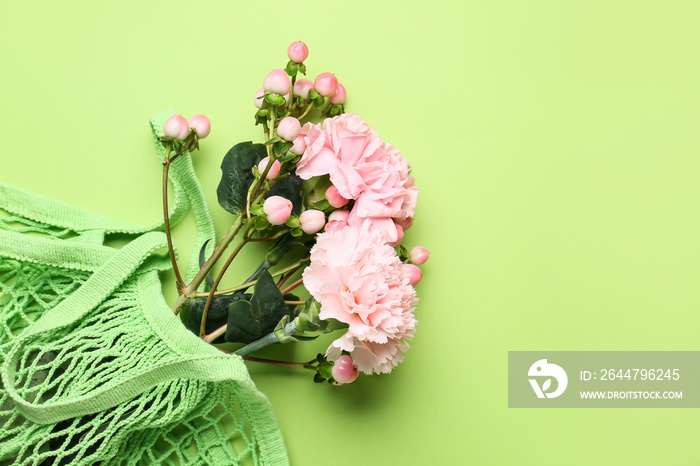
[361,167]
[357,278]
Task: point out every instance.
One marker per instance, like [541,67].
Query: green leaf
[256,209]
[273,140]
[281,147]
[319,101]
[249,321]
[275,100]
[301,68]
[313,94]
[321,205]
[297,232]
[192,310]
[261,223]
[291,68]
[318,378]
[237,176]
[286,157]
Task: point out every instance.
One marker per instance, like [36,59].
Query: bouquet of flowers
[332,199]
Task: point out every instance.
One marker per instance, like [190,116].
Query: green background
[555,144]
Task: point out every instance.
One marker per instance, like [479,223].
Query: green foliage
[192,310]
[237,177]
[251,320]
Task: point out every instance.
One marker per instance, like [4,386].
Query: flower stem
[191,289]
[280,363]
[245,286]
[309,106]
[292,286]
[267,340]
[287,277]
[180,283]
[215,334]
[202,328]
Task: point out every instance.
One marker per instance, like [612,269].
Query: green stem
[180,283]
[191,289]
[304,365]
[309,106]
[202,328]
[261,343]
[245,286]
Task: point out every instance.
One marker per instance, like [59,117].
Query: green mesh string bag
[96,369]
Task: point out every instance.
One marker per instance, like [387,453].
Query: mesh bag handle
[211,367]
[187,192]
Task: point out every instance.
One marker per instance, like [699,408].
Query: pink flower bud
[274,169]
[299,146]
[412,272]
[277,82]
[334,198]
[259,97]
[312,221]
[341,215]
[405,223]
[277,209]
[297,51]
[326,84]
[289,129]
[339,97]
[302,88]
[336,225]
[176,127]
[201,125]
[399,236]
[419,255]
[344,370]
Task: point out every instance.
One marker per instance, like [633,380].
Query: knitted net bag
[95,367]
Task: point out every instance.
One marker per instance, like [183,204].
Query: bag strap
[187,191]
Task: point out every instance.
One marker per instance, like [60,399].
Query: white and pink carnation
[358,280]
[361,167]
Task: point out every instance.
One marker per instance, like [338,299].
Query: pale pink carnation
[358,280]
[361,167]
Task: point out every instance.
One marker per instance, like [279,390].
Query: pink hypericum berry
[326,84]
[336,225]
[277,209]
[201,125]
[312,221]
[302,88]
[334,198]
[399,236]
[413,273]
[289,129]
[258,97]
[176,127]
[405,223]
[341,215]
[298,147]
[419,255]
[339,97]
[344,370]
[274,169]
[297,51]
[277,82]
